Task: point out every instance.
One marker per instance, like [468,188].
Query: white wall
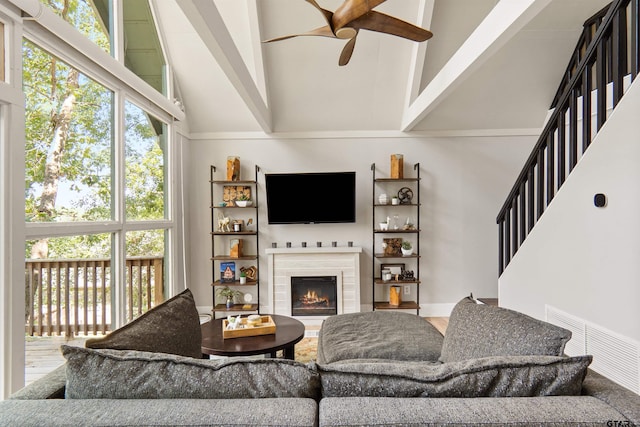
[581,259]
[464,183]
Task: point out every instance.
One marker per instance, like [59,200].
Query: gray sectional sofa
[493,367]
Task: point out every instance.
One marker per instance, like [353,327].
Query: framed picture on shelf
[392,246]
[231,193]
[395,270]
[227,272]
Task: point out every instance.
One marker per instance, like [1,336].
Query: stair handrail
[556,122]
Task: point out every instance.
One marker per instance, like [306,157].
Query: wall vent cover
[615,356]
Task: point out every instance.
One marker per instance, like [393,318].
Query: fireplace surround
[343,263]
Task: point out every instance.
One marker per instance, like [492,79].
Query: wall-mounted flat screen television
[311,198]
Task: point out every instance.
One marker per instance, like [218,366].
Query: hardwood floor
[43,353]
[440,323]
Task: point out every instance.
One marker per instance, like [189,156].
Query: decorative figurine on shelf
[384,226]
[223,223]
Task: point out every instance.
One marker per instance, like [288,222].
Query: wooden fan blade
[328,15]
[350,10]
[381,23]
[322,31]
[347,51]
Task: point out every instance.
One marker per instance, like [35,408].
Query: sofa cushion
[125,374]
[502,376]
[478,330]
[171,327]
[558,411]
[378,335]
[295,412]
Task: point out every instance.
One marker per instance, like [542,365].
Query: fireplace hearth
[314,296]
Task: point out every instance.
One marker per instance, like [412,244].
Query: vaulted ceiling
[491,66]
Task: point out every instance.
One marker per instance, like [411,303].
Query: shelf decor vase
[397,166]
[229,302]
[395,297]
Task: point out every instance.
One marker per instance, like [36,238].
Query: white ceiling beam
[254,7]
[208,23]
[503,22]
[419,53]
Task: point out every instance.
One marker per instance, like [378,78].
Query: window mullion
[119,251]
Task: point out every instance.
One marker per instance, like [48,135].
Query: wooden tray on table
[266,327]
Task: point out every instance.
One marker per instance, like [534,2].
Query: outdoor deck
[42,354]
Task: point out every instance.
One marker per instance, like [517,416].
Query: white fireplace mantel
[315,250]
[343,262]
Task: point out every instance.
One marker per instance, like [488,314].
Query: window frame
[48,31]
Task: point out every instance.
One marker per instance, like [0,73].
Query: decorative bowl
[243,203]
[254,320]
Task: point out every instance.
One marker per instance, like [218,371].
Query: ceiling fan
[354,15]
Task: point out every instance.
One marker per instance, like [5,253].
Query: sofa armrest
[51,386]
[616,396]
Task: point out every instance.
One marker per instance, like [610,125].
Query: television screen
[311,198]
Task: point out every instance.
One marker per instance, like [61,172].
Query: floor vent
[614,356]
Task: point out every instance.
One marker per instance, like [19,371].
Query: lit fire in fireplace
[311,298]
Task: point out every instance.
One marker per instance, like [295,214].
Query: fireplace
[314,295]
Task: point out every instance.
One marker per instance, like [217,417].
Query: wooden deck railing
[73,296]
[607,53]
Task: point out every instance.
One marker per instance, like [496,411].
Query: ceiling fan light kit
[354,15]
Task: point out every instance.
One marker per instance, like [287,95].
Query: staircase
[605,62]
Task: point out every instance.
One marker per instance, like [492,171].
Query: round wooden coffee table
[289,332]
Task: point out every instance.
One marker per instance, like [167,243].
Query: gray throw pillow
[171,327]
[504,376]
[478,330]
[124,374]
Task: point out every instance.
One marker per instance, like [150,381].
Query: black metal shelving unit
[380,286]
[220,242]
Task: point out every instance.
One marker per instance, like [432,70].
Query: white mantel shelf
[315,250]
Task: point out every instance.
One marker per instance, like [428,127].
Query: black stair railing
[607,52]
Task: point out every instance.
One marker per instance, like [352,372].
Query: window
[145,270]
[69,141]
[97,235]
[73,146]
[69,291]
[145,151]
[142,50]
[90,18]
